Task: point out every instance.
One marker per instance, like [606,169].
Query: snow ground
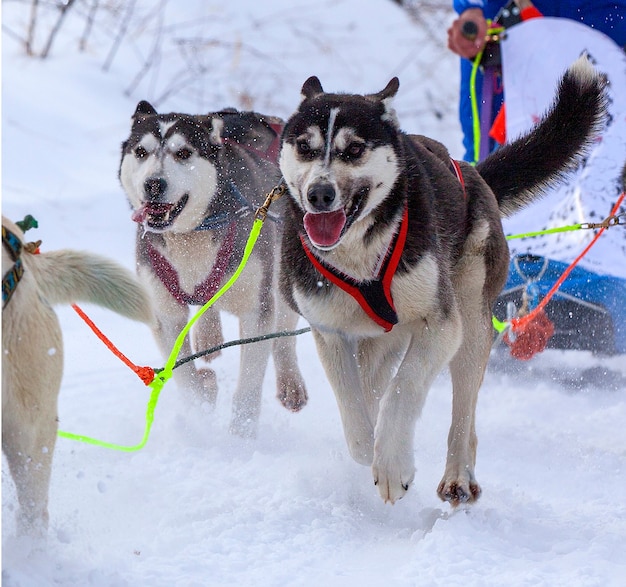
[197,507]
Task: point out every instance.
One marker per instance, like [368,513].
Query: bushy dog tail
[68,276]
[520,172]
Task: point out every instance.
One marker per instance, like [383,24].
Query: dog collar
[203,291]
[225,217]
[374,296]
[13,245]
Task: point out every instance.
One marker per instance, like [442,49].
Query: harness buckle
[613,220]
[274,194]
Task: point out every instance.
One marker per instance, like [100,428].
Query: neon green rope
[163,376]
[499,325]
[474,98]
[474,102]
[546,231]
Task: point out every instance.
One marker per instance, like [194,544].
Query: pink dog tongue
[324,228]
[139,215]
[150,209]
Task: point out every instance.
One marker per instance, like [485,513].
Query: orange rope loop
[146,374]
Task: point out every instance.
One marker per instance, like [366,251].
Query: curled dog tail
[519,172]
[68,276]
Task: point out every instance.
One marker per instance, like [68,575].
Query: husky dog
[32,352]
[395,254]
[193,182]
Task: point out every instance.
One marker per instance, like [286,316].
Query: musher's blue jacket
[606,16]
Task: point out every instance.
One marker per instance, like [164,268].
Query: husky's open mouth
[159,216]
[325,229]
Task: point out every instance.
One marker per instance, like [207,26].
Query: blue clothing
[608,17]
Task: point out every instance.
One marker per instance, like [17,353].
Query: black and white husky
[193,183]
[395,254]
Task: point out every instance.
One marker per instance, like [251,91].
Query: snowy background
[197,507]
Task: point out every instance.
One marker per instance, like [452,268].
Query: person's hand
[461,41]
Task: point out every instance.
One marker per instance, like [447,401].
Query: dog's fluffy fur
[351,172]
[32,357]
[190,181]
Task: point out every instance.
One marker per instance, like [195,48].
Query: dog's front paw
[459,489]
[393,479]
[292,394]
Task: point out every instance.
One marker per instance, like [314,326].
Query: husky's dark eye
[183,154]
[140,152]
[354,150]
[303,148]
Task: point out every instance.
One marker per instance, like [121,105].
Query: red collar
[374,295]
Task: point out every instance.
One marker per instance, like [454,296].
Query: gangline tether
[157,378]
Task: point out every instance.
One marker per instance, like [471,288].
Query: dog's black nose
[321,195]
[155,187]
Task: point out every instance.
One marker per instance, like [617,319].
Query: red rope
[520,324]
[146,374]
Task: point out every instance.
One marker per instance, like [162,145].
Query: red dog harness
[374,296]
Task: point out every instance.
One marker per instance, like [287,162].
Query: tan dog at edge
[32,354]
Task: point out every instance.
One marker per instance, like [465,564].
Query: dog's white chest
[182,252]
[414,295]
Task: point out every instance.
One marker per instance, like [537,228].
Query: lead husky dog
[395,254]
[32,352]
[193,182]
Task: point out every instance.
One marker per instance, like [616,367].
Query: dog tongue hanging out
[346,173]
[395,255]
[324,228]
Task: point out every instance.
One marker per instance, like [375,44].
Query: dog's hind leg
[29,414]
[290,388]
[29,455]
[467,369]
[339,359]
[474,294]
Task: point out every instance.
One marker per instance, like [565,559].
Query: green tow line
[165,374]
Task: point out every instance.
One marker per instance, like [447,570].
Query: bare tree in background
[177,55]
[61,7]
[91,17]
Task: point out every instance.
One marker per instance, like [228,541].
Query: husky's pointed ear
[144,108]
[215,126]
[391,89]
[386,96]
[311,88]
